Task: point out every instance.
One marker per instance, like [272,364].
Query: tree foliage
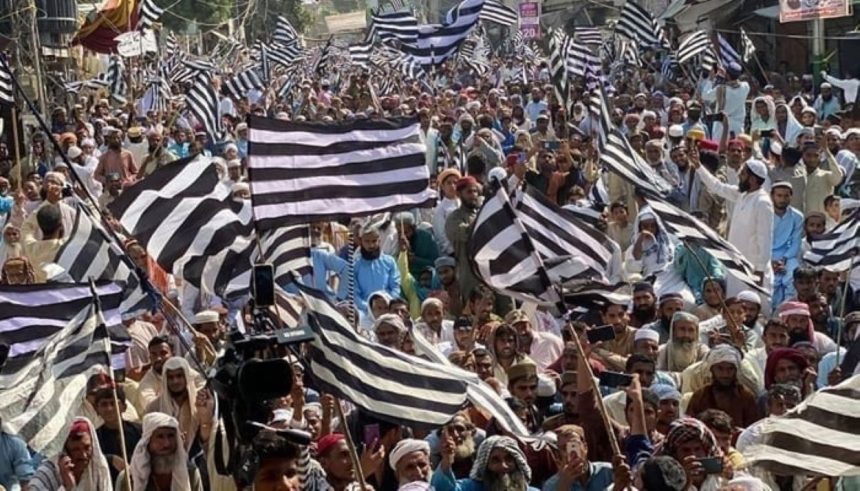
[261,22]
[207,13]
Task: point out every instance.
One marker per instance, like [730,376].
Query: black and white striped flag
[385,383]
[148,13]
[116,79]
[321,64]
[494,11]
[694,44]
[31,314]
[589,35]
[818,437]
[747,46]
[506,257]
[360,54]
[7,86]
[402,26]
[301,172]
[838,249]
[728,54]
[240,84]
[693,232]
[183,209]
[284,34]
[638,24]
[559,46]
[90,254]
[438,43]
[580,60]
[620,157]
[171,46]
[41,397]
[202,101]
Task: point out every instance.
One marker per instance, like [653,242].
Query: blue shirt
[600,477]
[15,462]
[325,264]
[445,481]
[533,109]
[375,275]
[787,233]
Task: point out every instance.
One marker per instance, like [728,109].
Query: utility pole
[37,59]
[817,49]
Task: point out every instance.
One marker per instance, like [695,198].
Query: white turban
[645,333]
[758,168]
[165,404]
[406,447]
[392,320]
[431,301]
[140,465]
[724,354]
[749,296]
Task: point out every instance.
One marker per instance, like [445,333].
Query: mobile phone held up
[615,379]
[598,334]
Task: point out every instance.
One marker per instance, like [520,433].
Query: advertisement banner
[803,10]
[530,20]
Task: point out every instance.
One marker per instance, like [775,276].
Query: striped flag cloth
[182,210]
[693,45]
[301,172]
[589,35]
[202,101]
[591,295]
[7,86]
[619,157]
[325,57]
[818,437]
[580,60]
[171,45]
[385,383]
[494,11]
[402,26]
[559,46]
[360,54]
[284,34]
[116,79]
[638,24]
[728,54]
[30,315]
[747,46]
[41,397]
[148,13]
[90,254]
[839,248]
[240,84]
[507,256]
[437,43]
[693,232]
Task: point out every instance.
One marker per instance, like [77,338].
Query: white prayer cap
[206,316]
[757,167]
[782,184]
[406,447]
[833,131]
[230,146]
[749,296]
[392,320]
[826,85]
[415,486]
[232,164]
[776,148]
[74,152]
[497,173]
[676,131]
[852,132]
[724,353]
[645,333]
[241,126]
[281,416]
[240,186]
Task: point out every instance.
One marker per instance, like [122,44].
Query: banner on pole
[530,20]
[135,43]
[804,10]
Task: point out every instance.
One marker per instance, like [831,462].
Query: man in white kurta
[752,219]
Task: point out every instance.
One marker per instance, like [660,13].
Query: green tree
[207,13]
[261,22]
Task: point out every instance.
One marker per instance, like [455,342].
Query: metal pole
[37,60]
[817,49]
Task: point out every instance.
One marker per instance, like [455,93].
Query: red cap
[326,443]
[737,141]
[709,145]
[466,181]
[512,159]
[79,427]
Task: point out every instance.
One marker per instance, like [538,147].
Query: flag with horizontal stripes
[31,314]
[41,398]
[116,79]
[90,254]
[301,172]
[818,437]
[499,13]
[202,101]
[7,86]
[402,26]
[559,45]
[284,33]
[183,209]
[240,84]
[728,54]
[588,35]
[619,157]
[694,233]
[504,254]
[148,13]
[636,23]
[694,44]
[747,46]
[838,249]
[592,295]
[438,43]
[360,53]
[383,382]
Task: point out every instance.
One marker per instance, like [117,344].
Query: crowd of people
[688,377]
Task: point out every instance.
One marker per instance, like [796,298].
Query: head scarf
[797,308]
[756,121]
[662,247]
[723,353]
[492,443]
[165,404]
[778,354]
[97,475]
[792,125]
[406,447]
[686,429]
[140,466]
[679,316]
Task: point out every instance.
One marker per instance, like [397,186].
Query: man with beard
[752,217]
[644,305]
[541,346]
[410,461]
[388,329]
[788,366]
[797,317]
[577,472]
[157,155]
[53,188]
[502,344]
[462,432]
[826,104]
[805,281]
[713,294]
[208,342]
[150,385]
[683,348]
[433,325]
[115,160]
[79,467]
[829,285]
[335,471]
[694,113]
[178,399]
[820,182]
[646,343]
[819,315]
[614,353]
[775,336]
[736,325]
[523,385]
[457,228]
[669,304]
[569,404]
[787,237]
[374,271]
[724,392]
[446,271]
[499,466]
[160,461]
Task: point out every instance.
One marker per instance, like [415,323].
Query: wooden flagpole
[353,453]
